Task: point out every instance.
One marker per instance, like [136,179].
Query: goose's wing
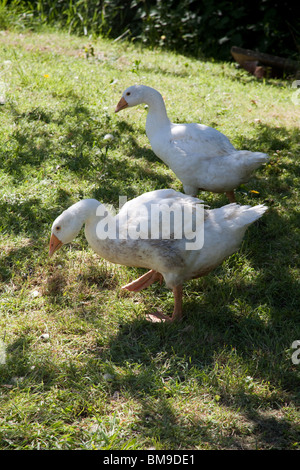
[161,214]
[198,139]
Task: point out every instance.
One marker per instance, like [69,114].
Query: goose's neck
[102,234]
[86,210]
[157,114]
[97,219]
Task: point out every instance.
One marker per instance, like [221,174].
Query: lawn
[81,368]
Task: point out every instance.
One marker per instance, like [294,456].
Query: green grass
[105,378]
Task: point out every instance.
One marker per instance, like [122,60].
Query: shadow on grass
[32,142]
[171,360]
[199,354]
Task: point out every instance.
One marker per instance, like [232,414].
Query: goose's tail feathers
[243,215]
[252,159]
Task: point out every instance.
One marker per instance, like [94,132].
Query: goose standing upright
[200,156]
[168,257]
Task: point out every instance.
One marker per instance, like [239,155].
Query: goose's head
[134,95]
[64,229]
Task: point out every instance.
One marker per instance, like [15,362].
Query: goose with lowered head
[174,252]
[201,157]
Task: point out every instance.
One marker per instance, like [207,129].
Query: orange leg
[177,312]
[231,196]
[144,281]
[148,279]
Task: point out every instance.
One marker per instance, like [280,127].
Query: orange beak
[55,244]
[121,105]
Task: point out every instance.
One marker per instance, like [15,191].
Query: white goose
[170,259]
[200,156]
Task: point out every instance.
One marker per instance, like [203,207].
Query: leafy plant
[206,28]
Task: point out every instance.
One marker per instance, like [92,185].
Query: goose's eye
[57,228]
[128,93]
